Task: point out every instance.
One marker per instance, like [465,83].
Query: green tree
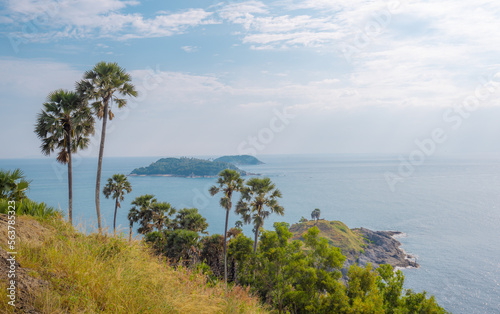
[259,198]
[13,185]
[65,124]
[229,181]
[100,85]
[117,186]
[190,219]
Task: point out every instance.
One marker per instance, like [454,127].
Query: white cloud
[47,20]
[189,49]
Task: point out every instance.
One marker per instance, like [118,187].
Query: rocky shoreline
[381,248]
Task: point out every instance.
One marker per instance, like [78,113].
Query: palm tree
[149,213]
[13,185]
[133,216]
[141,212]
[117,186]
[100,85]
[65,124]
[316,214]
[160,215]
[258,201]
[229,181]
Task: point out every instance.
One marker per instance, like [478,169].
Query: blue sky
[263,77]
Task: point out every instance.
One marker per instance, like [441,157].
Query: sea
[447,207]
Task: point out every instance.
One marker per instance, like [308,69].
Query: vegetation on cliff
[186,167]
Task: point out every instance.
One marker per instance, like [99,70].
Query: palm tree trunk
[99,166]
[130,233]
[114,220]
[225,245]
[256,238]
[70,181]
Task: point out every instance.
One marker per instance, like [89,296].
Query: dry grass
[106,274]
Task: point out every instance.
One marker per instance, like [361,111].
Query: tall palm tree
[117,186]
[65,124]
[258,201]
[100,85]
[13,185]
[229,181]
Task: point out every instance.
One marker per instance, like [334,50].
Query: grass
[106,274]
[336,232]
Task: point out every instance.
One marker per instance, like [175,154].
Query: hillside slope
[64,271]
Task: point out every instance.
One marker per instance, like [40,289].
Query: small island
[185,167]
[240,160]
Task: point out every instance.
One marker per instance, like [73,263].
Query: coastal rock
[381,248]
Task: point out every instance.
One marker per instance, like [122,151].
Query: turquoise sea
[447,207]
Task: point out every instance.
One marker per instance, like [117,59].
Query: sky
[262,77]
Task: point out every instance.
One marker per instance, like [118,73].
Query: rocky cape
[360,246]
[382,247]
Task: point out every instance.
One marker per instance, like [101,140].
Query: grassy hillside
[78,273]
[337,233]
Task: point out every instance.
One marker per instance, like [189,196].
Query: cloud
[50,20]
[189,49]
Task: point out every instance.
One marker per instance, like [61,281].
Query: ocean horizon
[447,207]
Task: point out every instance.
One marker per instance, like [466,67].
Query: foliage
[65,124]
[179,240]
[150,214]
[13,185]
[240,160]
[186,167]
[259,198]
[190,219]
[297,279]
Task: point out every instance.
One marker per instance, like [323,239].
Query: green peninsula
[185,167]
[240,160]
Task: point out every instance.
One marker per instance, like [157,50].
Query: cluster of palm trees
[67,119]
[258,200]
